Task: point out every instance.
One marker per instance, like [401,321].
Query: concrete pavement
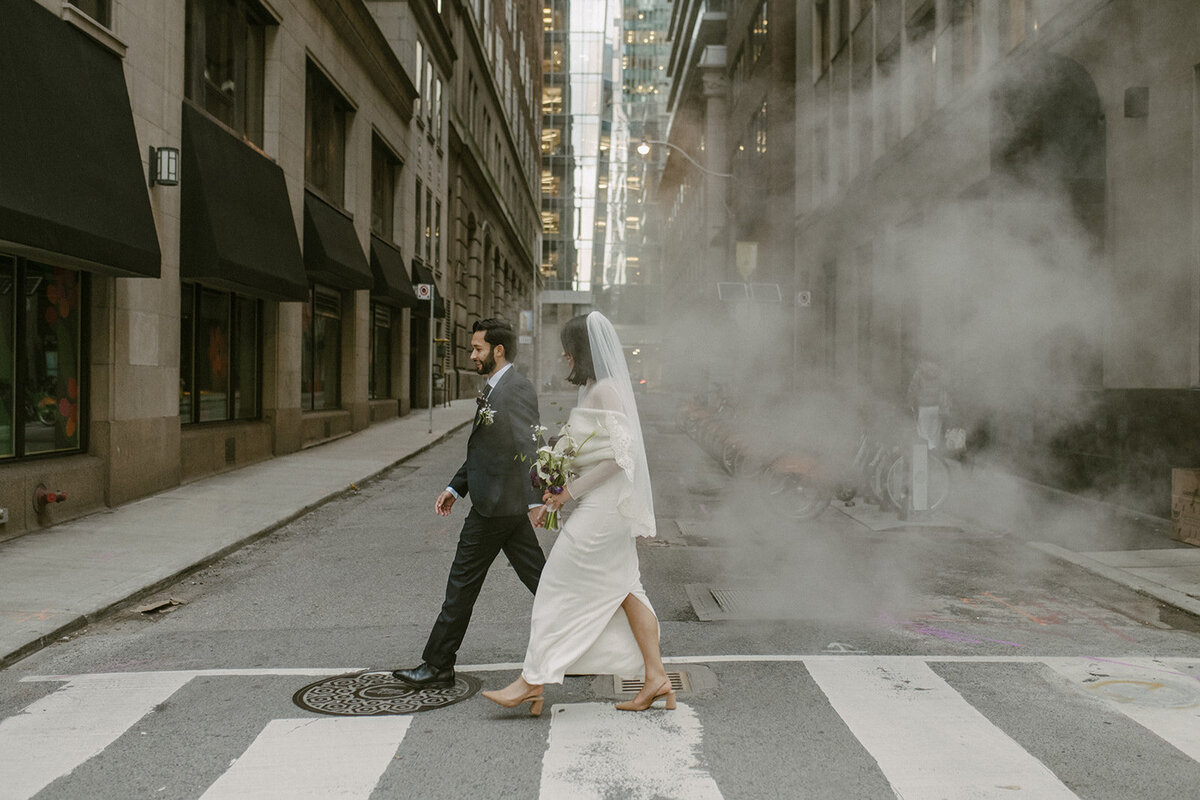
[61,579]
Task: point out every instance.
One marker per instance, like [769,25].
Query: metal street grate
[737,599]
[725,602]
[679,682]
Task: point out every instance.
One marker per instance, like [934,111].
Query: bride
[590,613]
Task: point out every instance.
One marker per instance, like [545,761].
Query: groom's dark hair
[578,346]
[497,331]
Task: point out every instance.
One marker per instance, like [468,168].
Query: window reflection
[320,383]
[49,373]
[381,352]
[8,361]
[219,356]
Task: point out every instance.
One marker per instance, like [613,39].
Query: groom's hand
[536,515]
[444,503]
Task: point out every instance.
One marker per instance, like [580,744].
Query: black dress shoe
[426,676]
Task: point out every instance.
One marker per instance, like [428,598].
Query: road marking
[1166,702]
[927,739]
[596,752]
[516,666]
[340,757]
[56,734]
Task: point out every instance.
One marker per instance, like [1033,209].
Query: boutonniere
[487,414]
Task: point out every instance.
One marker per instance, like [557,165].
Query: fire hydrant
[43,496]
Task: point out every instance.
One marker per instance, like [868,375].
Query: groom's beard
[488,364]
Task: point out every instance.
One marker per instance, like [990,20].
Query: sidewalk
[68,576]
[1127,547]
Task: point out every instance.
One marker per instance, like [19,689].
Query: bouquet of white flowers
[552,464]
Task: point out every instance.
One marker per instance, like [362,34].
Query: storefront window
[321,361]
[8,352]
[187,346]
[381,352]
[247,372]
[41,358]
[220,356]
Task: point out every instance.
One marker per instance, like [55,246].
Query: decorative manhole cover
[373,694]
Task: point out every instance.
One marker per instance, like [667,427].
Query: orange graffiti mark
[1020,611]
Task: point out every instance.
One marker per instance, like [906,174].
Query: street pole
[431,348]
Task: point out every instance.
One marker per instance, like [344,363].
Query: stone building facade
[1003,187]
[255,295]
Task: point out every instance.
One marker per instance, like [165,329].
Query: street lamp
[644,149]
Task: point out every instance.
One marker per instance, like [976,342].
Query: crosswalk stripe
[339,757]
[928,740]
[596,752]
[53,736]
[1165,700]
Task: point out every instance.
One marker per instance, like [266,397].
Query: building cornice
[354,24]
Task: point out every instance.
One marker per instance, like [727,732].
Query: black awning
[392,284]
[423,274]
[73,177]
[236,224]
[332,254]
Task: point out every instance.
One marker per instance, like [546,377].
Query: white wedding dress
[578,626]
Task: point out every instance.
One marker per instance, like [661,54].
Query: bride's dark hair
[576,344]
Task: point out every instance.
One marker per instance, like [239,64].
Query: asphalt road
[934,660]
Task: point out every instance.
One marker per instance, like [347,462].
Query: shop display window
[321,362]
[41,359]
[381,351]
[220,356]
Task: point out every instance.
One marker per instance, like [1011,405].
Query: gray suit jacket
[496,479]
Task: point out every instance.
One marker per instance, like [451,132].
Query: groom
[503,501]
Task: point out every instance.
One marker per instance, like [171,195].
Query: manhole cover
[373,694]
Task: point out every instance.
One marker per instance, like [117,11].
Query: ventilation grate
[679,682]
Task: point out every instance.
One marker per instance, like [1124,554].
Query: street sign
[424,291]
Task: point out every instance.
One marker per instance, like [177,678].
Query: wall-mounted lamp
[164,166]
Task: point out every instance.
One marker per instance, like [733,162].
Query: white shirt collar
[492,381]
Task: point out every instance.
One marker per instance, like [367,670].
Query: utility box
[1185,505]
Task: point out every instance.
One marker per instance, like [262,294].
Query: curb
[1164,594]
[93,617]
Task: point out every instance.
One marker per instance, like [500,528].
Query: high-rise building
[558,259]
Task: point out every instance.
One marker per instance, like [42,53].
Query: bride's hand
[553,502]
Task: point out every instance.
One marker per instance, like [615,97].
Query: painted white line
[316,672]
[596,752]
[340,757]
[56,734]
[513,666]
[928,740]
[1165,700]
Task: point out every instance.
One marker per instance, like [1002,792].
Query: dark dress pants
[481,540]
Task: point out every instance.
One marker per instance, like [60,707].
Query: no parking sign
[424,291]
